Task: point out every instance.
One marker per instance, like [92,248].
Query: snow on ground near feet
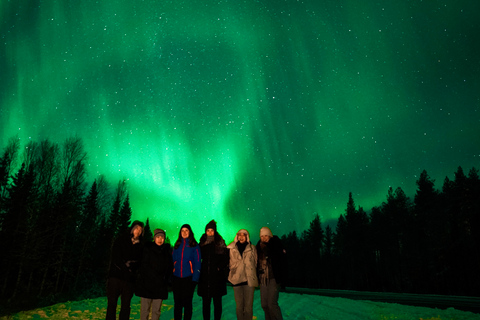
[294,306]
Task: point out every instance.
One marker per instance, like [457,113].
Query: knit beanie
[211,225]
[265,231]
[159,232]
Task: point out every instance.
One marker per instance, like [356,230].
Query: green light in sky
[248,112]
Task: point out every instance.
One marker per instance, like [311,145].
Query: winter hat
[211,225]
[159,232]
[186,225]
[265,231]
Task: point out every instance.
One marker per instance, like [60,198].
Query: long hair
[191,238]
[140,224]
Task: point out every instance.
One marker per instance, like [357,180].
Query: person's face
[185,233]
[210,232]
[137,232]
[159,240]
[265,238]
[242,237]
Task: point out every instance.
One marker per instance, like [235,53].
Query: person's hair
[191,238]
[135,224]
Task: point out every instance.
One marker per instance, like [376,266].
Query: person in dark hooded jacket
[214,271]
[271,272]
[154,274]
[126,254]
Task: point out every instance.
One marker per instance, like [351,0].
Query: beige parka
[243,268]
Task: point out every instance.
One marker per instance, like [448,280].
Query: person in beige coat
[243,273]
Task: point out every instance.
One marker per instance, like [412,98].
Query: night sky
[249,112]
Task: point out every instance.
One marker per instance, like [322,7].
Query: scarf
[241,247]
[264,266]
[209,239]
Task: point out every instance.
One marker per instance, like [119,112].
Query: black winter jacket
[155,272]
[125,258]
[214,270]
[276,255]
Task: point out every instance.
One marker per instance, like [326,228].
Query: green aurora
[249,112]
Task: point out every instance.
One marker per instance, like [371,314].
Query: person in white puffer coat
[243,273]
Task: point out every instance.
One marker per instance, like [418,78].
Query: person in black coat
[126,254]
[154,274]
[271,270]
[214,271]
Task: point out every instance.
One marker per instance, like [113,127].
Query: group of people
[147,270]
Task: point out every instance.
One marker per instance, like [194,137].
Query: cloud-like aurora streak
[249,112]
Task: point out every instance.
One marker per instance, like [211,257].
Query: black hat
[186,225]
[211,225]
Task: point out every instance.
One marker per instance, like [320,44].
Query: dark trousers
[183,289]
[217,307]
[119,288]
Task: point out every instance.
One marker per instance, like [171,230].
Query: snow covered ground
[294,306]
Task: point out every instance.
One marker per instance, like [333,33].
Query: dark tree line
[56,231]
[428,245]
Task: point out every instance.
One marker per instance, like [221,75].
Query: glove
[129,264]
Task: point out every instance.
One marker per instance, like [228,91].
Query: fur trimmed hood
[236,237]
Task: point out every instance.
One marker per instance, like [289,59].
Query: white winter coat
[243,268]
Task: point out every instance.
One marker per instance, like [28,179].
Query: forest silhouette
[57,230]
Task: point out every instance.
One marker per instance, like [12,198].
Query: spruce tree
[125,217]
[147,233]
[314,244]
[19,220]
[87,236]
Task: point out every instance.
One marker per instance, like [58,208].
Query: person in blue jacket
[186,272]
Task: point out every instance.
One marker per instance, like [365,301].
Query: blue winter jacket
[187,261]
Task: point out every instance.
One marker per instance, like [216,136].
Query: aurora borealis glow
[248,112]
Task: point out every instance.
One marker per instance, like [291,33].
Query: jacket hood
[137,223]
[242,231]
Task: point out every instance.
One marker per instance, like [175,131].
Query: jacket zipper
[181,260]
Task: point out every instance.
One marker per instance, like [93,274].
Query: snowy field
[294,306]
